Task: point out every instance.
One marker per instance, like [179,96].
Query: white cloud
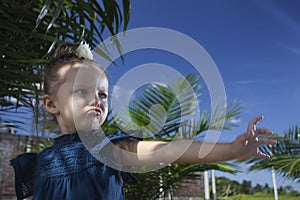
[290,48]
[246,82]
[235,120]
[266,81]
[121,93]
[282,15]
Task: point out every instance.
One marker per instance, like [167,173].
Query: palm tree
[170,120]
[30,30]
[285,157]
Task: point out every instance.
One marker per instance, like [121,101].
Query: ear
[50,105]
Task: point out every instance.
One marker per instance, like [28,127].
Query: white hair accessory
[84,51]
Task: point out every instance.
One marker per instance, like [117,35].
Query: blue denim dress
[68,171]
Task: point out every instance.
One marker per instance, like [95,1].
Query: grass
[262,196]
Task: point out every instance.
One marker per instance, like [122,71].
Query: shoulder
[120,135]
[126,141]
[25,167]
[26,161]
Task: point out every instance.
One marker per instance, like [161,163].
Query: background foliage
[30,29]
[285,155]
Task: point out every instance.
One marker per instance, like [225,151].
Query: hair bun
[65,50]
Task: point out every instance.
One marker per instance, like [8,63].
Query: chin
[88,125]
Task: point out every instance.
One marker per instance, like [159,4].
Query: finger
[243,137]
[263,131]
[267,142]
[262,156]
[252,125]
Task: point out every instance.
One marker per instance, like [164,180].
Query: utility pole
[274,184]
[213,183]
[274,177]
[206,185]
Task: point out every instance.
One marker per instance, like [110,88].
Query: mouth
[95,112]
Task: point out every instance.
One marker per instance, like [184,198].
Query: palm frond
[171,111]
[285,155]
[161,109]
[31,29]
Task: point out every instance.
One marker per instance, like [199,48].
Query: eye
[102,95]
[82,92]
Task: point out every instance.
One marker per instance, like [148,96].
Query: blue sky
[256,47]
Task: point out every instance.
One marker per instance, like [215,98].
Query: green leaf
[43,12]
[285,155]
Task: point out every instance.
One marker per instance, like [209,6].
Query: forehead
[85,75]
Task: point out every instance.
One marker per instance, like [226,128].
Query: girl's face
[81,99]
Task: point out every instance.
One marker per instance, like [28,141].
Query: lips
[95,111]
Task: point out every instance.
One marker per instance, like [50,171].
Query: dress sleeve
[133,135]
[24,166]
[103,152]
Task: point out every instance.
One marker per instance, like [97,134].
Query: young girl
[76,92]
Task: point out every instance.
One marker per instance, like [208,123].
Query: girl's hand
[246,145]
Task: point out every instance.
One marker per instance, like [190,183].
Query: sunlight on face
[90,87]
[82,98]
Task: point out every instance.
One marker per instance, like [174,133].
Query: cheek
[76,105]
[79,101]
[105,103]
[65,106]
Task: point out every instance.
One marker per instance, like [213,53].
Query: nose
[97,100]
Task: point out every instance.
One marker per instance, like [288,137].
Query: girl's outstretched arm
[187,151]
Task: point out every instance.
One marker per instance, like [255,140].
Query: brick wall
[11,145]
[191,188]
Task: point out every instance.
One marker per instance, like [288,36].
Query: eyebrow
[102,90]
[83,85]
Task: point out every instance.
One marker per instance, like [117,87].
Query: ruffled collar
[66,138]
